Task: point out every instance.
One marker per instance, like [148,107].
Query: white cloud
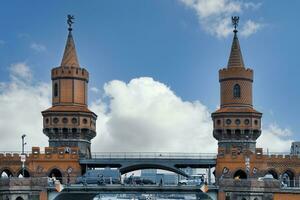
[145,115]
[94,89]
[142,115]
[250,28]
[37,47]
[20,72]
[20,111]
[215,15]
[275,139]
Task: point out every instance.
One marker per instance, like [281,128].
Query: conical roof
[235,58]
[70,57]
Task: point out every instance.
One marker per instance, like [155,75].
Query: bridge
[131,161]
[89,192]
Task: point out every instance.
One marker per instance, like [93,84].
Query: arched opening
[23,174]
[19,198]
[256,133]
[237,91]
[288,178]
[84,130]
[237,133]
[6,173]
[228,133]
[273,173]
[55,130]
[56,175]
[247,133]
[240,174]
[55,90]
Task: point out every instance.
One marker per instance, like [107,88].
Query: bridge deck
[178,160]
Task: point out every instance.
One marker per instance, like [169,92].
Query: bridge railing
[155,155]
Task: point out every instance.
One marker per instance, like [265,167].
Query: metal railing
[152,155]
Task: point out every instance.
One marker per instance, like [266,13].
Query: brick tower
[69,122]
[236,124]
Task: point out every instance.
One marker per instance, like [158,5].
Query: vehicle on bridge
[100,177]
[138,180]
[193,180]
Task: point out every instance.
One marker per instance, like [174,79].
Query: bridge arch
[130,168]
[240,174]
[19,198]
[6,172]
[288,178]
[57,173]
[273,172]
[26,173]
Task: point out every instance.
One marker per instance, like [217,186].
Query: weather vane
[235,22]
[70,21]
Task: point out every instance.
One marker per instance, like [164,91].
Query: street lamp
[23,157]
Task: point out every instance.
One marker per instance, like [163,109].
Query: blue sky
[167,40]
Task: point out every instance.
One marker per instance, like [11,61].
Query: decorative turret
[236,124]
[69,122]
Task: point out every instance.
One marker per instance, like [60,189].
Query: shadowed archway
[6,173]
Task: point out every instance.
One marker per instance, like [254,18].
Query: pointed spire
[70,57]
[235,58]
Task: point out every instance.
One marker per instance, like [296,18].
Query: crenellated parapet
[70,72]
[236,73]
[59,161]
[256,164]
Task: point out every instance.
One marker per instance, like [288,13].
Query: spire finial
[70,21]
[70,57]
[235,23]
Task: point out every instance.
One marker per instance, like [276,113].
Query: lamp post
[23,157]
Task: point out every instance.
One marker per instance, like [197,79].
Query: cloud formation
[275,139]
[38,47]
[21,103]
[215,15]
[142,115]
[145,115]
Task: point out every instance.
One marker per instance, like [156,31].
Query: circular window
[47,121]
[65,120]
[255,122]
[55,120]
[218,122]
[74,120]
[247,121]
[237,122]
[84,121]
[228,121]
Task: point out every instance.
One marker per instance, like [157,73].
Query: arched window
[273,173]
[6,174]
[240,174]
[55,90]
[288,178]
[56,174]
[237,91]
[23,174]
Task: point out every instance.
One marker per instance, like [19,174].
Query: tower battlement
[69,72]
[236,73]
